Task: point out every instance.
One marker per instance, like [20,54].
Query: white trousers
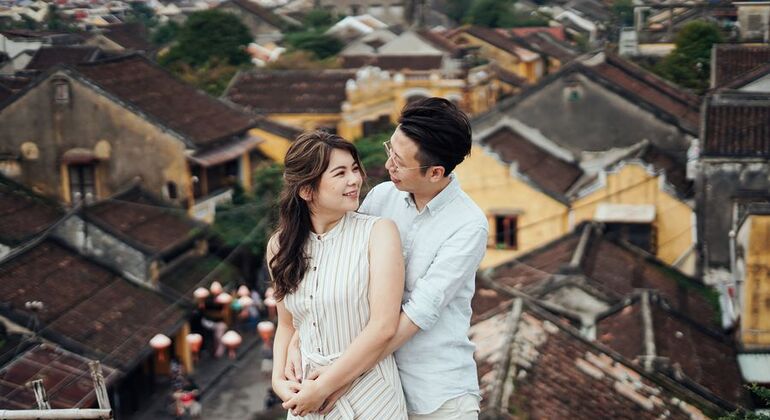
[465,407]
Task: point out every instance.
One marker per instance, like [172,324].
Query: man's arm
[457,259]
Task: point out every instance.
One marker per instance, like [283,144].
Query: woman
[339,279]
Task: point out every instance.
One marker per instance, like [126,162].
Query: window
[642,235]
[171,190]
[82,183]
[505,231]
[61,92]
[755,23]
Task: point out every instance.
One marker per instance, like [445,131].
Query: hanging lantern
[269,292]
[160,343]
[270,303]
[266,330]
[246,301]
[216,288]
[201,294]
[195,341]
[236,305]
[223,299]
[243,291]
[232,340]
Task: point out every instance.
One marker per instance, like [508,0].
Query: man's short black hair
[442,132]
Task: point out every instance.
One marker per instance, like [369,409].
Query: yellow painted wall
[307,121]
[632,184]
[274,146]
[488,182]
[755,324]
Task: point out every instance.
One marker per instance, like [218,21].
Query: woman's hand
[309,399]
[286,389]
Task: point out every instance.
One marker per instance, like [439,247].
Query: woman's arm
[386,287]
[284,388]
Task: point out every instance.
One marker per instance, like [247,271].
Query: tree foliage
[311,36]
[623,11]
[165,33]
[763,394]
[490,13]
[688,65]
[209,35]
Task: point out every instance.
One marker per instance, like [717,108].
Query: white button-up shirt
[443,246]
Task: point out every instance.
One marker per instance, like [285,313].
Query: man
[444,237]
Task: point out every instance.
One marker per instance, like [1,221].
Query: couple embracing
[374,303]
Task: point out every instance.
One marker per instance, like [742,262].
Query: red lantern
[160,343]
[266,330]
[232,340]
[195,341]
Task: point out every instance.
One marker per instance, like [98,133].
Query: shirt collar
[441,199]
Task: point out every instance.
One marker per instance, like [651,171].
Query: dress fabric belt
[312,361]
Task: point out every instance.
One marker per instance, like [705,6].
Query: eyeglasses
[396,168]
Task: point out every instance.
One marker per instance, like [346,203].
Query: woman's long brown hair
[305,162]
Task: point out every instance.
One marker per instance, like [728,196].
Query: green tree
[207,35]
[457,10]
[741,414]
[165,33]
[623,11]
[311,36]
[688,65]
[373,156]
[522,20]
[490,13]
[143,14]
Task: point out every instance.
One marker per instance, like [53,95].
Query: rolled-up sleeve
[454,265]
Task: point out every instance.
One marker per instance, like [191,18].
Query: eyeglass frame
[396,168]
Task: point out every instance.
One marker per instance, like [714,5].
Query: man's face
[403,167]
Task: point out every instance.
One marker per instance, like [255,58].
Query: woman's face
[340,185]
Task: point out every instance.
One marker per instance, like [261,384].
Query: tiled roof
[440,41]
[737,124]
[131,36]
[87,308]
[301,91]
[66,379]
[704,356]
[284,130]
[134,79]
[5,93]
[533,366]
[47,57]
[749,77]
[394,62]
[14,83]
[266,15]
[494,37]
[644,86]
[734,60]
[612,267]
[145,222]
[545,43]
[509,77]
[557,32]
[537,164]
[23,214]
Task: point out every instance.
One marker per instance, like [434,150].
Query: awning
[755,367]
[226,152]
[78,156]
[625,213]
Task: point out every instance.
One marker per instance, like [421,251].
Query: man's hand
[293,368]
[308,400]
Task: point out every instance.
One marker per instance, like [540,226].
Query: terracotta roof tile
[156,227]
[131,36]
[66,379]
[705,356]
[202,119]
[440,41]
[23,214]
[259,11]
[643,85]
[532,366]
[47,57]
[557,32]
[493,37]
[737,124]
[543,168]
[301,91]
[187,275]
[734,60]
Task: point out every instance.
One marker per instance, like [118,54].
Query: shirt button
[314,324]
[315,268]
[311,296]
[319,237]
[319,349]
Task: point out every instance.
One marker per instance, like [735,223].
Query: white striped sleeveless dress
[331,307]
